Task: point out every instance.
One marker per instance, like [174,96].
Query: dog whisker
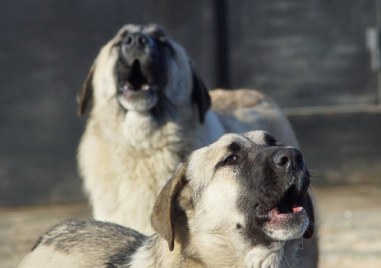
[285,259]
[269,124]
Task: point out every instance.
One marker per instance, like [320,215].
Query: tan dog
[149,111]
[239,202]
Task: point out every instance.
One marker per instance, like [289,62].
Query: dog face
[143,70]
[249,189]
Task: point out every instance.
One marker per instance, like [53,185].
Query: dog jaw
[286,226]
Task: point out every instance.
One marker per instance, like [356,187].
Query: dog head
[143,69]
[243,190]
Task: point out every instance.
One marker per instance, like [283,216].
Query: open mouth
[289,207]
[136,80]
[287,213]
[136,90]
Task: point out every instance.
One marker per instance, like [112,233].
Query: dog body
[149,111]
[239,202]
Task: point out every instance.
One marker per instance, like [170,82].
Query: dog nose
[136,40]
[288,159]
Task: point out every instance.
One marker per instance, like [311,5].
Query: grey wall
[302,53]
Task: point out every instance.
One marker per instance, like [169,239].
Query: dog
[149,110]
[240,202]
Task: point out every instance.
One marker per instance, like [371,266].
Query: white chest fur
[126,165]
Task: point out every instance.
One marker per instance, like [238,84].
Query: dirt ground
[349,220]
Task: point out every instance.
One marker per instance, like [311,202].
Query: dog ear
[311,216]
[200,96]
[165,209]
[86,93]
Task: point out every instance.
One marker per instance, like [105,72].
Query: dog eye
[124,34]
[121,38]
[270,141]
[162,39]
[159,35]
[230,160]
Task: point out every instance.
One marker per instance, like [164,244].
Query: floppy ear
[164,212]
[86,93]
[200,96]
[311,216]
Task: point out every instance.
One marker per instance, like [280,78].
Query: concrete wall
[303,53]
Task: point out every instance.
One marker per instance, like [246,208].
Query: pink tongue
[296,209]
[275,214]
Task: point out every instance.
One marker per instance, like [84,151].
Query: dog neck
[277,255]
[266,257]
[155,253]
[143,131]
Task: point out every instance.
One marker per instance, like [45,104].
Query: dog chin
[138,103]
[286,226]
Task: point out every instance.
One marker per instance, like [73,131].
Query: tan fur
[225,101]
[247,109]
[194,217]
[125,157]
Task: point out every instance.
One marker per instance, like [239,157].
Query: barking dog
[239,202]
[149,110]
